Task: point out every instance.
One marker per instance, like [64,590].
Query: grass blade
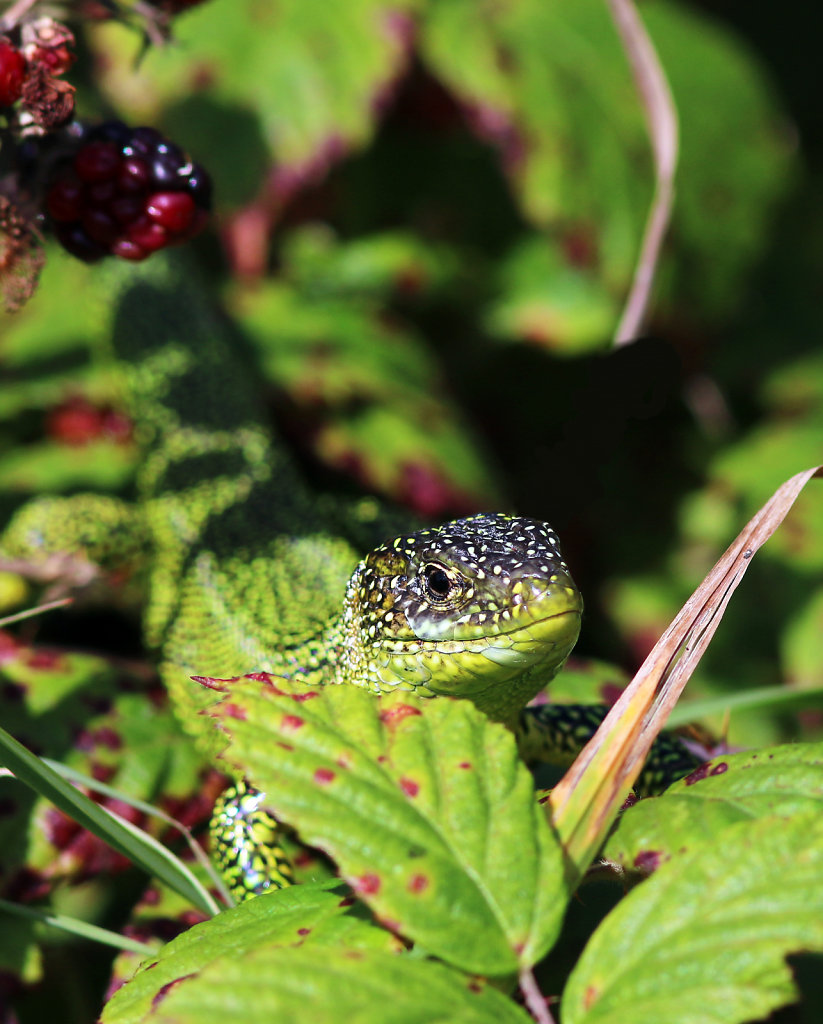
[77,927]
[137,846]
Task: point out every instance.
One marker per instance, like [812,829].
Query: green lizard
[249,571]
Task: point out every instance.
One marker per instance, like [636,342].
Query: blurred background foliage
[427,219]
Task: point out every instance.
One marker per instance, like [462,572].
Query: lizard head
[483,607]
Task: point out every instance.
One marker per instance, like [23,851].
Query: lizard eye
[439,584]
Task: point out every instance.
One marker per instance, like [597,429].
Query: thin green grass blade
[761,697]
[141,849]
[76,927]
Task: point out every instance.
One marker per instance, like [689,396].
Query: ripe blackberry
[12,73]
[126,192]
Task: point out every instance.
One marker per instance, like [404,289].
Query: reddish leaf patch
[392,717]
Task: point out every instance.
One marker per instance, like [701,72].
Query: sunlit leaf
[300,915]
[705,939]
[317,982]
[418,803]
[782,781]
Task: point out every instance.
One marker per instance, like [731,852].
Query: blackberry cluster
[126,192]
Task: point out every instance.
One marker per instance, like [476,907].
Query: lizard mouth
[473,666]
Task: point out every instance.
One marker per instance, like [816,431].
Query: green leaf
[550,82]
[51,466]
[53,326]
[424,805]
[549,85]
[321,983]
[370,387]
[546,299]
[802,649]
[587,681]
[311,72]
[299,915]
[748,470]
[728,182]
[782,781]
[378,265]
[704,940]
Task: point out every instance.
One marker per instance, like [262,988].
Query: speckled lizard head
[483,607]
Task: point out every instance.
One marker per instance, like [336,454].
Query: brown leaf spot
[102,772]
[27,885]
[648,861]
[260,677]
[190,918]
[9,646]
[417,883]
[699,773]
[609,692]
[232,710]
[291,723]
[301,697]
[367,884]
[215,684]
[590,996]
[465,765]
[164,990]
[719,769]
[392,717]
[409,786]
[105,736]
[323,776]
[284,746]
[83,740]
[304,931]
[43,659]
